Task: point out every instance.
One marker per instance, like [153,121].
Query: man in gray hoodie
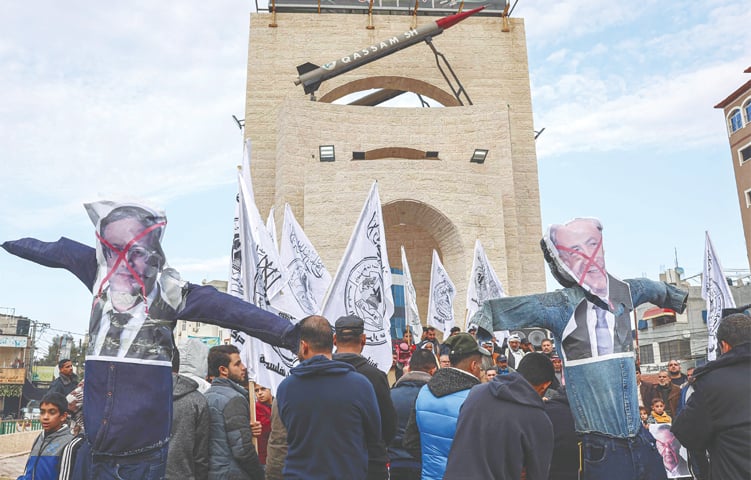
[188,457]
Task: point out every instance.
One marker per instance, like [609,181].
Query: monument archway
[420,228]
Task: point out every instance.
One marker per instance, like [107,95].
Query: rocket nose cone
[451,20]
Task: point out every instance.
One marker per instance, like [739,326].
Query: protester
[674,371]
[231,450]
[454,331]
[565,463]
[645,391]
[686,390]
[659,415]
[668,392]
[67,381]
[501,361]
[188,456]
[49,458]
[429,333]
[558,367]
[717,417]
[432,423]
[405,466]
[491,373]
[403,350]
[514,353]
[546,347]
[444,361]
[264,400]
[329,411]
[503,427]
[194,362]
[644,415]
[350,341]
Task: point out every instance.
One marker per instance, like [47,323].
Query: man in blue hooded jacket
[328,409]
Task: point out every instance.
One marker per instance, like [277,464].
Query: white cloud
[118,102]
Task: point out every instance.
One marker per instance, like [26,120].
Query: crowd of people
[468,416]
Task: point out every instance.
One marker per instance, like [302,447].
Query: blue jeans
[634,458]
[144,466]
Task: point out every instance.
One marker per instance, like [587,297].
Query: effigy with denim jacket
[137,301]
[591,322]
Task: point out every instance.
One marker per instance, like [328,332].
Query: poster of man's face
[674,456]
[601,326]
[580,253]
[127,320]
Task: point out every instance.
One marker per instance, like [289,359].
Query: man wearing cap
[514,352]
[501,361]
[349,338]
[431,426]
[503,428]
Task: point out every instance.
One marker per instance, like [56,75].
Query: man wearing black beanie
[503,430]
[537,369]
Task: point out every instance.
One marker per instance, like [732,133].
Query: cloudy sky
[136,100]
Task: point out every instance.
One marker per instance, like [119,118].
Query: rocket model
[311,75]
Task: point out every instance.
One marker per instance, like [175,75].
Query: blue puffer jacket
[231,451]
[44,459]
[436,412]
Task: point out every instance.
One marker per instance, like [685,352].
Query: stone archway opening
[388,87]
[420,228]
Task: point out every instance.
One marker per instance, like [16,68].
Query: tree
[52,356]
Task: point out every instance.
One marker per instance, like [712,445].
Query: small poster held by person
[674,455]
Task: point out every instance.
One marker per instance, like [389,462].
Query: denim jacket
[601,391]
[129,405]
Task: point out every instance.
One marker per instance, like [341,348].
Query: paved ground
[11,466]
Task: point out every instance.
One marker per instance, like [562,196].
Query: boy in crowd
[52,455]
[658,412]
[644,415]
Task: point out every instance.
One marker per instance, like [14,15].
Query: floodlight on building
[240,123]
[479,156]
[326,153]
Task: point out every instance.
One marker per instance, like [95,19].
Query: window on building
[736,121]
[747,194]
[675,349]
[646,354]
[745,154]
[747,109]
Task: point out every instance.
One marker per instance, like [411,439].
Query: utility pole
[32,350]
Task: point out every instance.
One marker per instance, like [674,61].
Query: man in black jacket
[717,417]
[67,381]
[422,366]
[350,340]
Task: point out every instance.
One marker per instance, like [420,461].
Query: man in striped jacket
[53,452]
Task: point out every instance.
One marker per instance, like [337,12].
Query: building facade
[737,110]
[664,335]
[322,156]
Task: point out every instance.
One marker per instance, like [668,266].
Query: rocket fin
[306,67]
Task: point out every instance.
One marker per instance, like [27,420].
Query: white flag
[271,228]
[411,315]
[262,276]
[307,277]
[483,282]
[362,285]
[714,289]
[441,301]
